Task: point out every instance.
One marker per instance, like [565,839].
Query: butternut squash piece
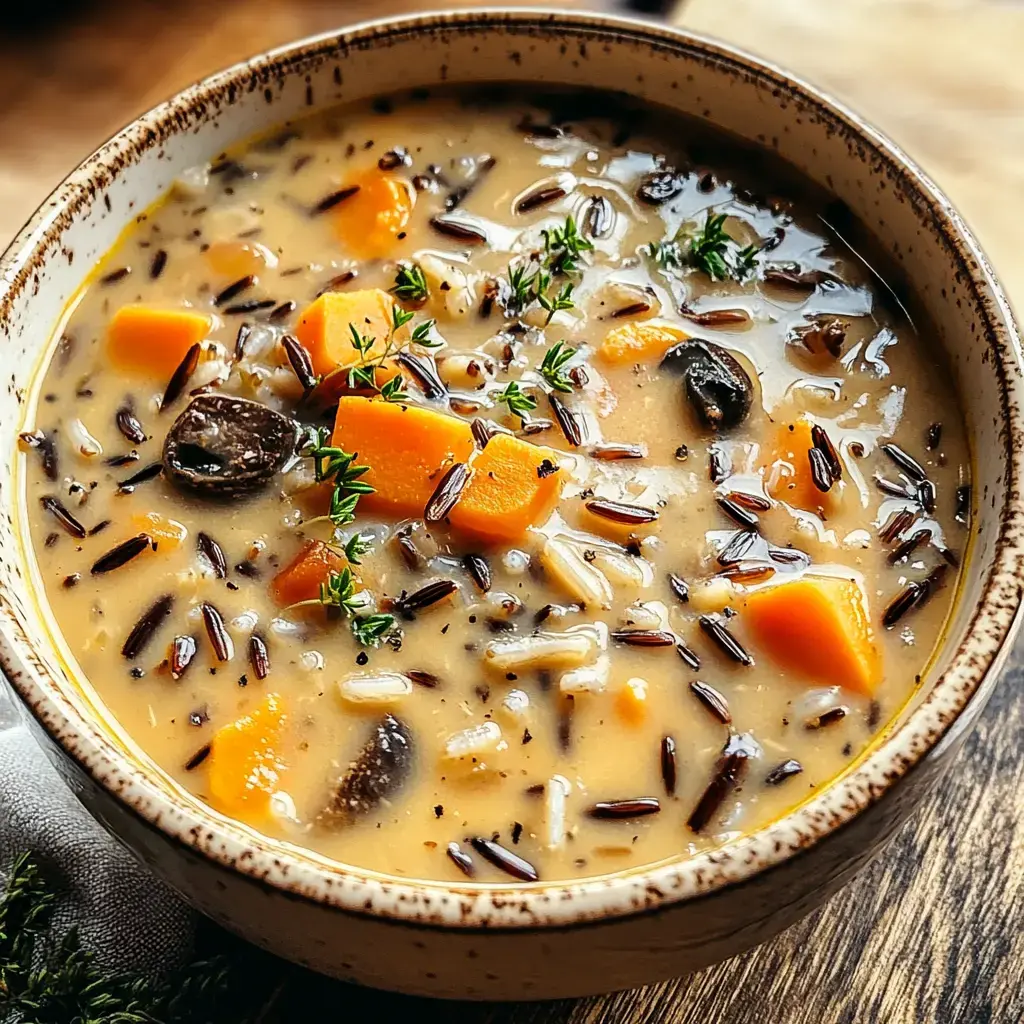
[817,627]
[325,328]
[631,701]
[515,485]
[300,579]
[788,469]
[406,448]
[167,533]
[639,342]
[369,222]
[146,340]
[244,764]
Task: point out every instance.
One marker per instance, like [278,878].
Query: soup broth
[504,485]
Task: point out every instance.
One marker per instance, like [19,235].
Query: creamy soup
[507,486]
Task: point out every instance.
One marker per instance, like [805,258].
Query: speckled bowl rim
[930,726]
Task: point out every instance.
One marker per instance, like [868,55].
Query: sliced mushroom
[223,447]
[377,773]
[717,386]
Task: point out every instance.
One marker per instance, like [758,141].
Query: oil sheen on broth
[669,496]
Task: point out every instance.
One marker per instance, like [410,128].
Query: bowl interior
[972,336]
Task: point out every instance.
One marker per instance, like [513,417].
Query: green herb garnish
[552,368]
[668,255]
[339,591]
[709,247]
[712,249]
[334,464]
[519,403]
[421,335]
[410,283]
[393,390]
[563,247]
[552,304]
[357,546]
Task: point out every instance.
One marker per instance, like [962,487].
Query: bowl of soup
[505,504]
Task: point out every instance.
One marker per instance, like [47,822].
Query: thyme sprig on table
[49,980]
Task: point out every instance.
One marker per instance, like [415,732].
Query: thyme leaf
[552,369]
[519,403]
[410,283]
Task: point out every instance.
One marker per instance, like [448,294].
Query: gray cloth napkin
[129,919]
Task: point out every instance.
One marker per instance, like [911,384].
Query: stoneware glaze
[491,941]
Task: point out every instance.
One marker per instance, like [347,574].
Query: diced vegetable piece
[244,765]
[631,701]
[300,579]
[146,340]
[639,342]
[406,448]
[513,488]
[167,533]
[369,222]
[325,328]
[817,627]
[788,467]
[234,259]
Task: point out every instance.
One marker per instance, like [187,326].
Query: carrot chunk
[143,339]
[639,342]
[406,448]
[244,765]
[817,627]
[788,477]
[300,579]
[324,327]
[168,533]
[515,485]
[369,222]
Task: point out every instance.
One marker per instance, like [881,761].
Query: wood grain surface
[933,932]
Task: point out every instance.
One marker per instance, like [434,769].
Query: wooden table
[934,932]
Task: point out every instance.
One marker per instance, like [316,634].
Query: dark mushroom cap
[717,387]
[222,446]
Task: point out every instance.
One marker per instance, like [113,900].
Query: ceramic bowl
[640,925]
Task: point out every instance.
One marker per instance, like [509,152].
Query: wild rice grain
[820,473]
[679,587]
[724,640]
[44,445]
[213,553]
[425,679]
[221,642]
[424,369]
[643,637]
[926,495]
[115,275]
[329,202]
[480,569]
[621,512]
[156,266]
[738,547]
[461,859]
[617,452]
[823,443]
[234,289]
[285,309]
[826,718]
[567,421]
[783,771]
[249,306]
[933,436]
[408,604]
[688,656]
[447,493]
[509,862]
[198,757]
[458,229]
[739,515]
[181,376]
[907,547]
[599,217]
[143,630]
[540,197]
[719,464]
[713,701]
[183,650]
[730,770]
[905,462]
[122,554]
[301,363]
[962,504]
[623,810]
[259,656]
[129,425]
[895,525]
[63,516]
[717,317]
[669,765]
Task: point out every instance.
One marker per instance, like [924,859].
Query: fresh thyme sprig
[55,981]
[334,464]
[563,247]
[364,373]
[339,591]
[410,283]
[355,547]
[519,403]
[712,249]
[552,304]
[552,368]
